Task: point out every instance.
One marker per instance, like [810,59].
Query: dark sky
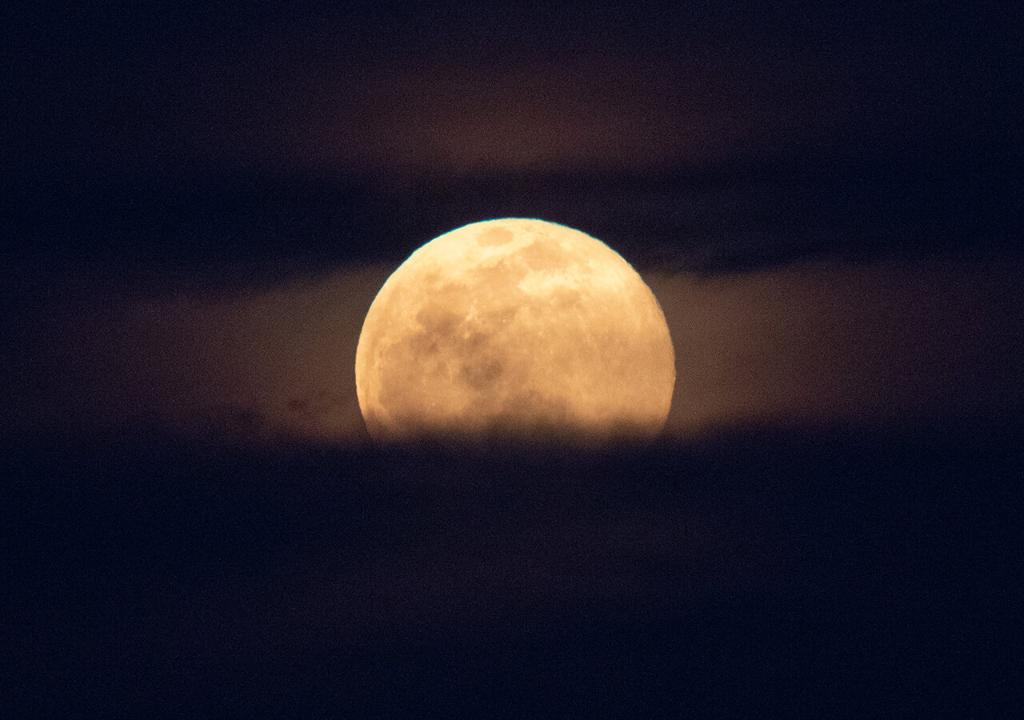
[732,133]
[199,201]
[821,196]
[123,89]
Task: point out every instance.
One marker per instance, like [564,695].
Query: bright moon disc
[514,327]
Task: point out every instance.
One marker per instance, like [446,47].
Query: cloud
[816,342]
[833,342]
[244,364]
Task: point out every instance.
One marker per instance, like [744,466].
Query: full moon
[514,327]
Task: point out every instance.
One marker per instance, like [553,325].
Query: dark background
[826,563]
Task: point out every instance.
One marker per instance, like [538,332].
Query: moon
[514,327]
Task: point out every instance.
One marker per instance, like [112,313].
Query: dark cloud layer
[809,573]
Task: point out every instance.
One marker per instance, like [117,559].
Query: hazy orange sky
[815,341]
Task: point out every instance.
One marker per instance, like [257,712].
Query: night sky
[200,202]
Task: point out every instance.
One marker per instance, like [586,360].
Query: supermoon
[514,327]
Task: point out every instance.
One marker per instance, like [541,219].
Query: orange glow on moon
[514,327]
